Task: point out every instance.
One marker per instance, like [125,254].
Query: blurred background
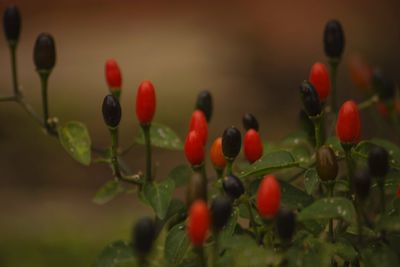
[251,55]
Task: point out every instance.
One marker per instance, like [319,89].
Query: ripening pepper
[145,102]
[378,162]
[216,154]
[113,75]
[231,143]
[268,196]
[360,72]
[196,188]
[310,99]
[250,122]
[143,235]
[194,148]
[233,186]
[221,209]
[205,104]
[253,146]
[348,124]
[44,53]
[327,165]
[319,78]
[285,224]
[111,111]
[334,40]
[198,222]
[12,24]
[198,123]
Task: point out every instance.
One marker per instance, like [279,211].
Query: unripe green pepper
[221,209]
[143,235]
[327,166]
[44,53]
[233,186]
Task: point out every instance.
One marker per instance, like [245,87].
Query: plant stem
[200,253]
[349,162]
[114,155]
[44,75]
[7,98]
[359,223]
[331,186]
[13,53]
[147,139]
[381,185]
[369,102]
[317,126]
[216,248]
[229,164]
[334,62]
[252,222]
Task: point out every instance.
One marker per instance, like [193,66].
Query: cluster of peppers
[225,148]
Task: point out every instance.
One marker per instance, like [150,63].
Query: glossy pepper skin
[216,154]
[44,53]
[194,148]
[378,161]
[113,75]
[231,142]
[334,40]
[253,146]
[198,123]
[205,104]
[310,99]
[145,102]
[198,222]
[143,235]
[233,186]
[250,122]
[196,189]
[319,78]
[12,23]
[362,183]
[268,197]
[111,111]
[327,165]
[221,210]
[285,224]
[348,124]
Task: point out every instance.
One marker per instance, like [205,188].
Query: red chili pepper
[113,75]
[145,102]
[348,124]
[268,196]
[360,72]
[198,122]
[194,148]
[253,146]
[216,154]
[198,222]
[319,77]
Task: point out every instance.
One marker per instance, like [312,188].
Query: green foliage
[75,139]
[108,191]
[159,196]
[162,136]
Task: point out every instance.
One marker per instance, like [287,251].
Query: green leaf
[117,254]
[162,136]
[336,207]
[362,149]
[382,256]
[180,175]
[389,223]
[312,253]
[334,143]
[343,249]
[176,244]
[292,197]
[75,139]
[311,181]
[159,195]
[108,191]
[270,162]
[230,226]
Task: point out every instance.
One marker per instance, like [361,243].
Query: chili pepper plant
[322,196]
